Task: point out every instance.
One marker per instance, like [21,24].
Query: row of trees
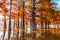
[39,12]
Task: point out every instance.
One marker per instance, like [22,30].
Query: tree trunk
[14,29]
[23,23]
[42,27]
[17,36]
[33,21]
[46,28]
[4,30]
[9,28]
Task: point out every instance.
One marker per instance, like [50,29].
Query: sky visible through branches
[58,3]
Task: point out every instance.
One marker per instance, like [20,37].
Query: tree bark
[33,21]
[14,29]
[9,28]
[4,30]
[17,36]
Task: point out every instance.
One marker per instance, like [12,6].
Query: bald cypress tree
[9,28]
[33,20]
[17,36]
[5,28]
[47,12]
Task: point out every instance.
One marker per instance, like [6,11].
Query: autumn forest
[29,20]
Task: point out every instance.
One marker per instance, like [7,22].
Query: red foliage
[3,7]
